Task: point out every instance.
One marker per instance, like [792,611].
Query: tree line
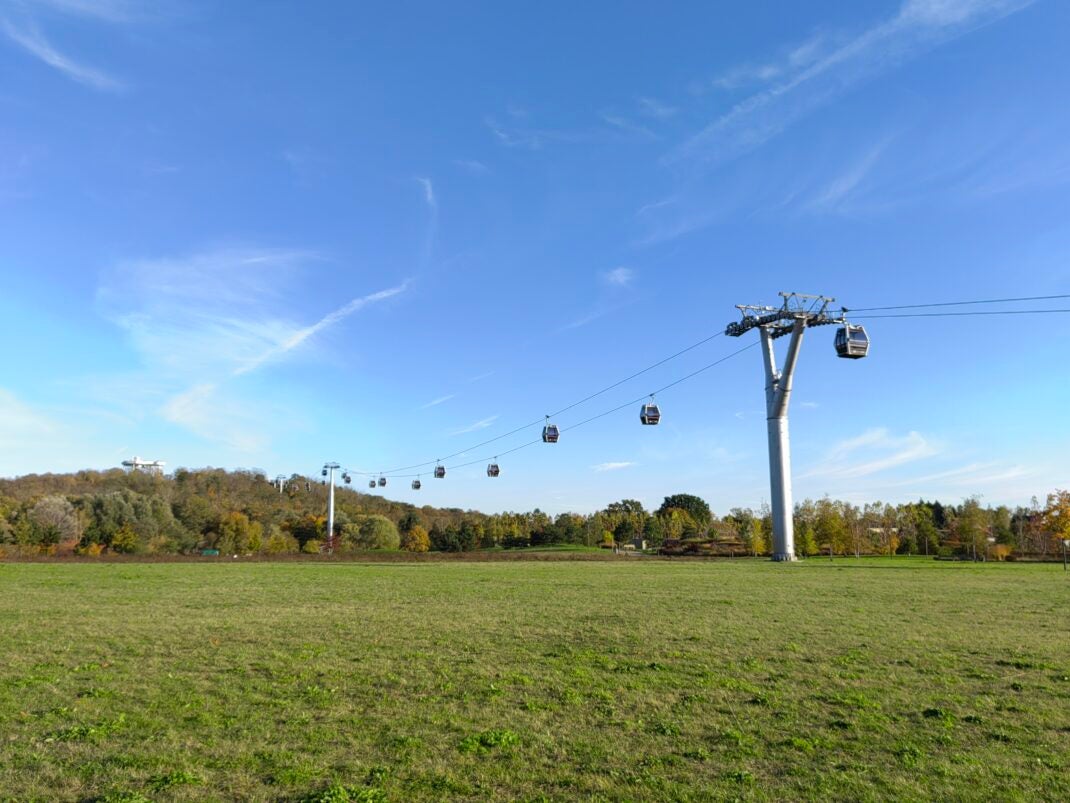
[242,513]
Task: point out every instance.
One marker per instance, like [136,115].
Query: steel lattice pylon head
[813,310]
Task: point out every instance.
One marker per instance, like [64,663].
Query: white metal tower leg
[780,490]
[330,512]
[777,397]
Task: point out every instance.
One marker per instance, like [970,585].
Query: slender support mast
[330,469]
[777,396]
[797,313]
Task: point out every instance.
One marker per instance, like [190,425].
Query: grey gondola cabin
[440,472]
[649,414]
[550,433]
[382,482]
[493,470]
[416,485]
[371,483]
[852,342]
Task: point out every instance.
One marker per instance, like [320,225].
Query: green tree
[972,528]
[654,531]
[830,530]
[239,535]
[278,542]
[805,541]
[694,506]
[197,514]
[378,532]
[756,540]
[124,540]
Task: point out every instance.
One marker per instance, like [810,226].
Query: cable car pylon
[797,312]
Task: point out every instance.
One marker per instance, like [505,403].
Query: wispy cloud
[528,138]
[114,11]
[438,401]
[613,294]
[328,320]
[612,129]
[472,166]
[427,248]
[585,319]
[811,81]
[871,452]
[19,422]
[200,322]
[202,411]
[847,182]
[652,107]
[654,206]
[478,425]
[206,314]
[627,126]
[613,466]
[33,41]
[620,277]
[429,192]
[36,439]
[971,475]
[795,58]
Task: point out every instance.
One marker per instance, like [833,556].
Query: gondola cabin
[852,342]
[371,483]
[416,485]
[550,433]
[347,479]
[440,472]
[649,414]
[493,470]
[382,482]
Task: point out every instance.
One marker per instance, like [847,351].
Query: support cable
[890,309]
[542,419]
[959,303]
[618,408]
[960,314]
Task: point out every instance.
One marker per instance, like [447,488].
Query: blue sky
[277,236]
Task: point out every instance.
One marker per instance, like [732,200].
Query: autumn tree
[972,528]
[830,529]
[415,539]
[1056,516]
[55,522]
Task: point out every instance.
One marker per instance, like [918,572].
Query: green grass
[620,680]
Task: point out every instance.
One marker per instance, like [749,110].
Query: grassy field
[622,680]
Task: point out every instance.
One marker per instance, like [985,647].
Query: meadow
[601,680]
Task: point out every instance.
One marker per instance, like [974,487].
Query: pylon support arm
[782,396]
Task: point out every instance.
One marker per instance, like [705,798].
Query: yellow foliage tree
[415,539]
[1057,515]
